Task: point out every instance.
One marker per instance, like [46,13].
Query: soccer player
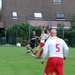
[41,44]
[48,35]
[54,46]
[32,43]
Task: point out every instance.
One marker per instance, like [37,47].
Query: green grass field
[15,61]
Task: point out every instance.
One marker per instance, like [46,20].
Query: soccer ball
[18,45]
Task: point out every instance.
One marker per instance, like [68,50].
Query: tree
[73,27]
[73,19]
[20,30]
[74,8]
[73,23]
[60,30]
[71,34]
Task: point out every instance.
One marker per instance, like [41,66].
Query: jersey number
[58,48]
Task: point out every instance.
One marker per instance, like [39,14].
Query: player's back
[55,46]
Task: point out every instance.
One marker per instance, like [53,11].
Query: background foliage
[22,32]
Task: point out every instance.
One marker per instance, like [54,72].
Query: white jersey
[48,36]
[55,47]
[43,38]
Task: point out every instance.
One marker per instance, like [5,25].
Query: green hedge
[71,38]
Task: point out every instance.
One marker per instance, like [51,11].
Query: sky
[0,3]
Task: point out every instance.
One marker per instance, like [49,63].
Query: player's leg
[45,74]
[59,68]
[40,54]
[28,48]
[50,66]
[36,51]
[32,47]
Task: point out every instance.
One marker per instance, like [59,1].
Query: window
[14,15]
[60,16]
[57,1]
[38,15]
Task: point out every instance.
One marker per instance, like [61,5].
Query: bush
[60,30]
[73,45]
[24,42]
[66,40]
[71,38]
[19,30]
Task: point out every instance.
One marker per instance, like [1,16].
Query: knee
[38,46]
[28,45]
[45,74]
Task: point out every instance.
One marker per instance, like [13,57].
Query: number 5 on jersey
[57,48]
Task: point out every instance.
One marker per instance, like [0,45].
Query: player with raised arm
[55,47]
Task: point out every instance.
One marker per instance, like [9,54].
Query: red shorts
[41,44]
[54,64]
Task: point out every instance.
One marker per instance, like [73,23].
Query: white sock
[28,50]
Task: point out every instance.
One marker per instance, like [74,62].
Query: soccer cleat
[33,55]
[33,51]
[38,58]
[27,52]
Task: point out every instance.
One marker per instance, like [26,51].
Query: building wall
[26,9]
[50,24]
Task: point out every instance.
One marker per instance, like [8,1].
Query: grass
[15,61]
